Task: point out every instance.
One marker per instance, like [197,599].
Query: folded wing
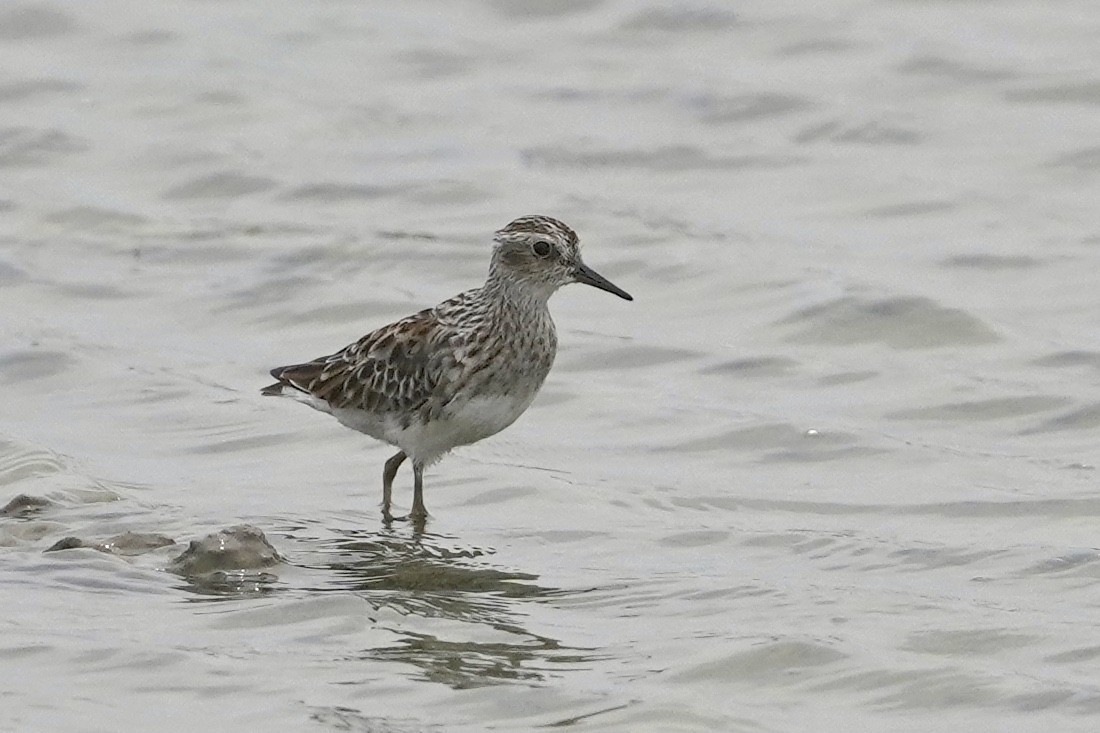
[394,369]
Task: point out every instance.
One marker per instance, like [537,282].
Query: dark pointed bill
[588,276]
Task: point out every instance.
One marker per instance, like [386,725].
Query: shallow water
[833,468]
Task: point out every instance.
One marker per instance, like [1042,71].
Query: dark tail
[295,376]
[274,390]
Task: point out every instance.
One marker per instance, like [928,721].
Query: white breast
[483,416]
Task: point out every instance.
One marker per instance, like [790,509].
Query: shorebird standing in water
[456,373]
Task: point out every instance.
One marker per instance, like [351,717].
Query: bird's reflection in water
[467,664]
[430,577]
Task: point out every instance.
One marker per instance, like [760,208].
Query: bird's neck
[517,292]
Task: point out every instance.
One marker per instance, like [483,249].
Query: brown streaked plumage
[456,373]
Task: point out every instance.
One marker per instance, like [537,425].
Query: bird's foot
[413,517]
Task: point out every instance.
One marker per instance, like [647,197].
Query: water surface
[834,468]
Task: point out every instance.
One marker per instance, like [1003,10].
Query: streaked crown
[546,226]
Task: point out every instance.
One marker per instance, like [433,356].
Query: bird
[457,373]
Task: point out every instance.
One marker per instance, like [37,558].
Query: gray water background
[834,469]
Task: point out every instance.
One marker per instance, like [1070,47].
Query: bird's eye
[542,249]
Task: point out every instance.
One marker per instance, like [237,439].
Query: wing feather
[396,368]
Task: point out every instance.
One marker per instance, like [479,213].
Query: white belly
[461,424]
